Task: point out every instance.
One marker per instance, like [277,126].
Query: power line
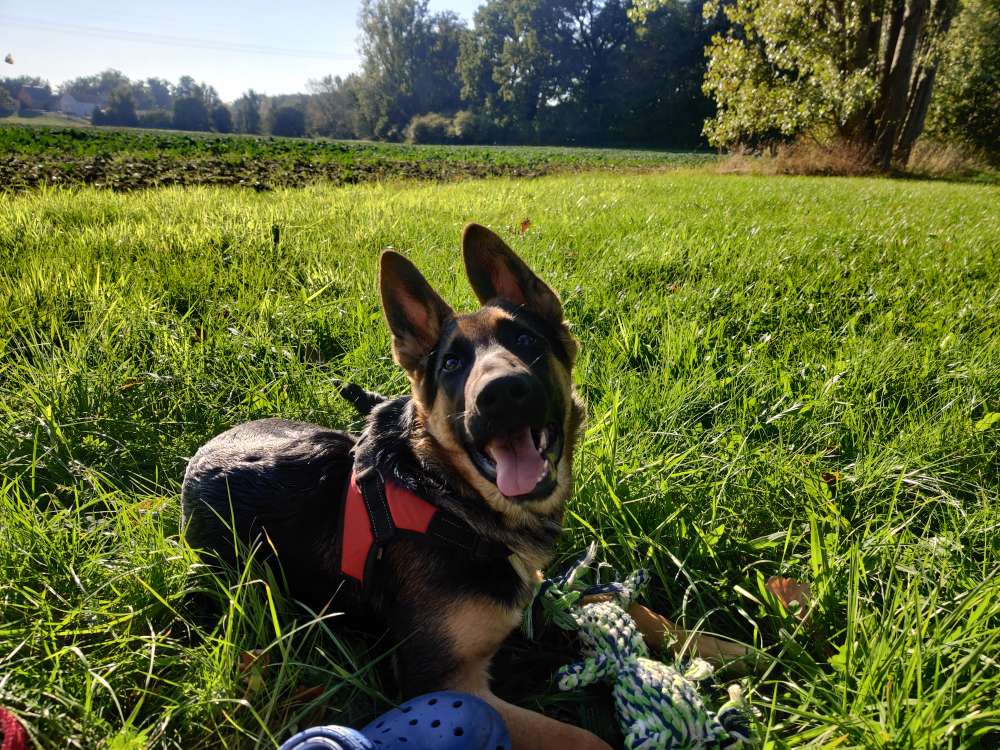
[170,41]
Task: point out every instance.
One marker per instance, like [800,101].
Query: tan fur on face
[437,423]
[438,420]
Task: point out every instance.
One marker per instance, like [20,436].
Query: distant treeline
[750,74]
[525,71]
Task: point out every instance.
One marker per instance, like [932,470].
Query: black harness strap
[372,488]
[454,532]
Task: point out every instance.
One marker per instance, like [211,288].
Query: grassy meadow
[796,376]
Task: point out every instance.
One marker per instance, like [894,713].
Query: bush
[287,121]
[429,128]
[472,127]
[156,118]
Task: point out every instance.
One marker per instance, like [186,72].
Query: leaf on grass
[794,595]
[525,225]
[250,667]
[988,421]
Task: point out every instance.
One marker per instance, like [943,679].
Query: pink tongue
[519,464]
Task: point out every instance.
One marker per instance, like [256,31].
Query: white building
[71,106]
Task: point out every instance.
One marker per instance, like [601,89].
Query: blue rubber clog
[435,721]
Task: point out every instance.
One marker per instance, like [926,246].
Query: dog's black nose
[511,398]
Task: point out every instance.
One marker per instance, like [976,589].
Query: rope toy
[658,706]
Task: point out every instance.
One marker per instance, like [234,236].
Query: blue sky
[272,46]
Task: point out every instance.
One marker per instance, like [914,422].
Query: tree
[120,110]
[248,112]
[654,85]
[408,62]
[287,121]
[190,113]
[187,88]
[578,71]
[966,104]
[861,72]
[513,64]
[222,119]
[160,92]
[97,87]
[7,104]
[332,108]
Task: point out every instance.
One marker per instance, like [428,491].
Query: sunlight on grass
[784,376]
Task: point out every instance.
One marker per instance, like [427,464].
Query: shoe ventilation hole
[406,709]
[432,701]
[413,722]
[459,731]
[456,704]
[435,723]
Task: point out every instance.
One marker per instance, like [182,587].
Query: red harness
[376,511]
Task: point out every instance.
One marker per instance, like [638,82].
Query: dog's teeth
[543,440]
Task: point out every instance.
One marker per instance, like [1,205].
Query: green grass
[127,159]
[742,338]
[45,120]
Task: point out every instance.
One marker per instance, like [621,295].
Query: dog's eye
[451,363]
[526,339]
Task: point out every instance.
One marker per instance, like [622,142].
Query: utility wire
[168,40]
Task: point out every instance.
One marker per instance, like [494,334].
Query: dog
[454,493]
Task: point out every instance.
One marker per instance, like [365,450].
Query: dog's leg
[530,730]
[477,629]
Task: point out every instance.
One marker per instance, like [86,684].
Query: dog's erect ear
[414,311]
[494,270]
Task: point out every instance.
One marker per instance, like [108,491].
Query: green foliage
[576,71]
[287,121]
[429,128]
[7,104]
[97,87]
[222,119]
[191,113]
[247,110]
[119,111]
[783,375]
[857,72]
[469,126]
[966,104]
[782,69]
[157,118]
[408,62]
[333,106]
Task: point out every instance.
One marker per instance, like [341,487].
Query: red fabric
[409,513]
[13,735]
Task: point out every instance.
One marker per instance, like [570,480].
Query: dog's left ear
[494,270]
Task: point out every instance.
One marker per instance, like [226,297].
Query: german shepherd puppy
[487,434]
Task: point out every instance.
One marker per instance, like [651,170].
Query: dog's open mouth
[522,463]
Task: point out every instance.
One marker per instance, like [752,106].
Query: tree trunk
[897,84]
[915,115]
[922,84]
